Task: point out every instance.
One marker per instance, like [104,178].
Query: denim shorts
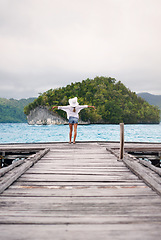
[73,120]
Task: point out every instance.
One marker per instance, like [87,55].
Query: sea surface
[24,133]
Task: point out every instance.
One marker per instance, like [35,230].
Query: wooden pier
[80,191]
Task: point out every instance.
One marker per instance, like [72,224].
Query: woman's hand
[92,107]
[54,107]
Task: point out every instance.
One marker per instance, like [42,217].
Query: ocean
[24,133]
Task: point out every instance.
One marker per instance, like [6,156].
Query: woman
[72,111]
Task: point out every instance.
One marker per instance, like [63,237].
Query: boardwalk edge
[17,171]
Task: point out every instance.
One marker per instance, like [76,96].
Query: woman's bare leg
[75,132]
[70,133]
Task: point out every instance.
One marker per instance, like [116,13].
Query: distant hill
[12,110]
[151,99]
[113,101]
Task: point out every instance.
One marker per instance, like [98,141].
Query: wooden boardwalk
[78,192]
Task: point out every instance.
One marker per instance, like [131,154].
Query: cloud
[51,43]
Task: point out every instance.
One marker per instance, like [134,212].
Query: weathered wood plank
[77,171]
[9,203]
[45,219]
[81,231]
[12,166]
[143,174]
[77,191]
[129,184]
[155,169]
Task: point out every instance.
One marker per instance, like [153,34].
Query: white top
[69,110]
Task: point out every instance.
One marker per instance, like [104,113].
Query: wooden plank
[143,174]
[18,202]
[149,165]
[12,166]
[79,171]
[113,183]
[44,219]
[81,231]
[77,191]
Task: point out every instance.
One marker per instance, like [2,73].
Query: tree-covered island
[113,101]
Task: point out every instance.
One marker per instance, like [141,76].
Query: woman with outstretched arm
[72,111]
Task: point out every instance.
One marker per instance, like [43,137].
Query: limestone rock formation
[42,116]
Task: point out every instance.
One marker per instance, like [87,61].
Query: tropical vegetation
[114,102]
[12,110]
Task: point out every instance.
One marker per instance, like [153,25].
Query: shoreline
[81,123]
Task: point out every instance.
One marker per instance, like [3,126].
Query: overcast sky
[47,44]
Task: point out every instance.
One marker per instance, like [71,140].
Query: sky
[48,44]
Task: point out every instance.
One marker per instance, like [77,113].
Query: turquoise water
[24,133]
